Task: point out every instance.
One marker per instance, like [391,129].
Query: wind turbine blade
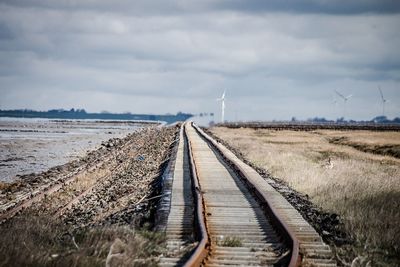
[349,96]
[339,94]
[223,95]
[380,91]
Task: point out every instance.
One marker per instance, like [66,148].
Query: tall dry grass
[34,240]
[363,188]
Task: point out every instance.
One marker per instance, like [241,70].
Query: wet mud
[35,145]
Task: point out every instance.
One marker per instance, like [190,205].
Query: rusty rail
[288,234]
[54,186]
[202,249]
[235,203]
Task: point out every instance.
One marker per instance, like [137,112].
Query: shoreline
[32,146]
[106,195]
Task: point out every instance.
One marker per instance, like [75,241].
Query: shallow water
[35,145]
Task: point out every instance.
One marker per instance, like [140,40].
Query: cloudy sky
[277,59]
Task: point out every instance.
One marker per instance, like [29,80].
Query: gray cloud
[277,58]
[160,7]
[314,6]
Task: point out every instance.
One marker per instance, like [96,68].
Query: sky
[277,59]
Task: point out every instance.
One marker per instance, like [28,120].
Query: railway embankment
[95,211]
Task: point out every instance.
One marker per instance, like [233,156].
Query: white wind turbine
[345,99]
[383,101]
[334,102]
[222,99]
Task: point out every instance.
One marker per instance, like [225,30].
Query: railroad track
[222,212]
[27,198]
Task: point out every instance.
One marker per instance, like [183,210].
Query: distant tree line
[82,114]
[378,119]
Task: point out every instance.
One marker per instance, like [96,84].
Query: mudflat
[35,145]
[101,212]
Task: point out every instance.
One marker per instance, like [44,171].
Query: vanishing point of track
[223,213]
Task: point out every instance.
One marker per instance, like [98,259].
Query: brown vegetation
[384,143]
[363,188]
[40,241]
[101,217]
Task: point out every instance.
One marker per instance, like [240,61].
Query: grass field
[355,174]
[34,240]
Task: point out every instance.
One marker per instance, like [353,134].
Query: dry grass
[382,143]
[38,241]
[82,181]
[367,137]
[364,188]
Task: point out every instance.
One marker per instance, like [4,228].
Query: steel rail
[54,186]
[202,249]
[289,235]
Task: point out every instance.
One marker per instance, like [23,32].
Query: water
[35,145]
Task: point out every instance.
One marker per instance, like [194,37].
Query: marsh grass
[388,150]
[364,188]
[381,143]
[39,241]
